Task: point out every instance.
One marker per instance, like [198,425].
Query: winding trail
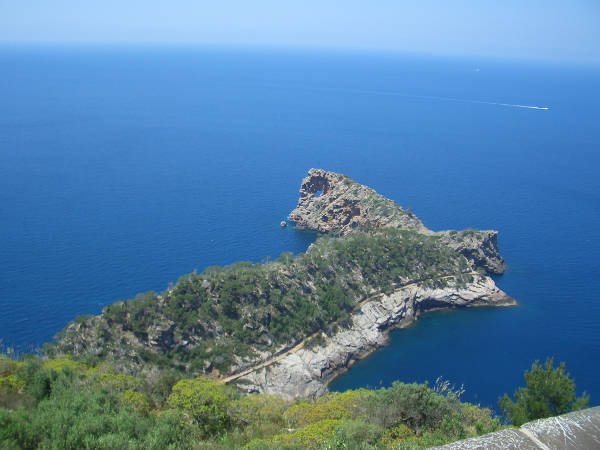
[296,348]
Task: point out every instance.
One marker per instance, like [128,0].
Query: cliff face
[480,247]
[331,202]
[307,371]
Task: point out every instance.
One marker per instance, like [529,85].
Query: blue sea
[122,168]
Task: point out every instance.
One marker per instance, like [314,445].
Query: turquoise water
[124,168]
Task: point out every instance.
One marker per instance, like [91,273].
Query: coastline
[308,372]
[379,269]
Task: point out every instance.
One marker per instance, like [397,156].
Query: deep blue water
[123,168]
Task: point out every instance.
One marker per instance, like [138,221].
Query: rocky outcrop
[576,430]
[307,371]
[331,202]
[480,247]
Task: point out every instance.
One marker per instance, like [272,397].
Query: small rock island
[290,326]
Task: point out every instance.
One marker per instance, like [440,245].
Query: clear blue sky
[546,29]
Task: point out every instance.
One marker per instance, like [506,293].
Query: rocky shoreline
[307,372]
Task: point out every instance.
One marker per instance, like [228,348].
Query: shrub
[16,430]
[311,436]
[119,381]
[135,401]
[478,420]
[395,435]
[332,406]
[8,366]
[257,409]
[415,405]
[204,402]
[549,392]
[11,383]
[352,434]
[76,415]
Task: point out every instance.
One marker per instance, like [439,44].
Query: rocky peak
[332,202]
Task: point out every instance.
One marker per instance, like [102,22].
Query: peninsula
[288,327]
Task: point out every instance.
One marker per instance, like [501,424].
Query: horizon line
[298,47]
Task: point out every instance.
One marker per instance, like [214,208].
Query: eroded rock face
[478,246]
[331,202]
[307,372]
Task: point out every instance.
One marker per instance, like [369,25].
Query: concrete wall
[576,430]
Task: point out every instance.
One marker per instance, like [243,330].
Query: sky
[567,30]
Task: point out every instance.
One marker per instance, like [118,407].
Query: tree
[549,392]
[204,401]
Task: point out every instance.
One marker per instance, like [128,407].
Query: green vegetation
[64,404]
[61,405]
[549,392]
[203,402]
[222,316]
[56,405]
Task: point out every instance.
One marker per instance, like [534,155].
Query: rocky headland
[333,203]
[290,326]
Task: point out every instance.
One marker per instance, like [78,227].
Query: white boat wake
[543,108]
[481,102]
[428,97]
